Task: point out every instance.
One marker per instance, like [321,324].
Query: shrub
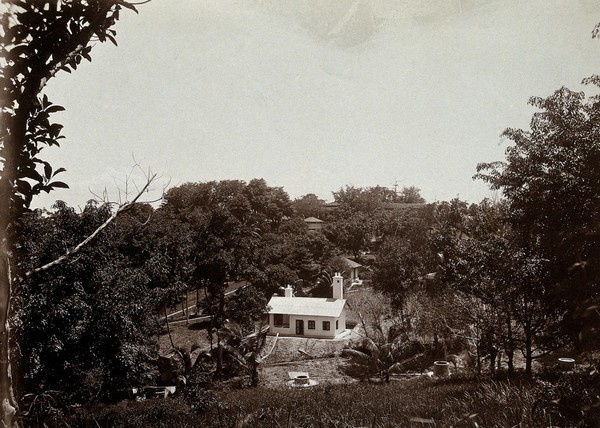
[570,398]
[197,394]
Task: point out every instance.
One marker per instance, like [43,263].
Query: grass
[458,401]
[455,402]
[553,399]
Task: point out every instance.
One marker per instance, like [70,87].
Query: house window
[337,324]
[326,325]
[311,325]
[281,320]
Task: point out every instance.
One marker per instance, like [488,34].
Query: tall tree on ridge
[37,40]
[551,179]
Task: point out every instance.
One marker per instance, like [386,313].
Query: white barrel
[441,368]
[566,363]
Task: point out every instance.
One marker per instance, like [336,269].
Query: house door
[300,327]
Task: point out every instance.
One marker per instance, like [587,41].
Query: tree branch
[70,253]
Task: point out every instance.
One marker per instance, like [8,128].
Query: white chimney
[338,286]
[289,291]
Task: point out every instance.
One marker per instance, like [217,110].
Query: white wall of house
[336,326]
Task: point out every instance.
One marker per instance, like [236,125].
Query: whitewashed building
[309,316]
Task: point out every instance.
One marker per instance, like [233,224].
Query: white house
[309,316]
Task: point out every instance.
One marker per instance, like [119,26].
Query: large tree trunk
[528,353]
[7,399]
[254,375]
[8,404]
[510,349]
[12,144]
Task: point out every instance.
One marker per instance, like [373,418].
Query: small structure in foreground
[300,380]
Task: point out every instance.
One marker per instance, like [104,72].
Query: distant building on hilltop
[354,268]
[314,224]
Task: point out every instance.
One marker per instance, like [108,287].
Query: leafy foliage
[550,179]
[503,293]
[246,349]
[385,346]
[247,306]
[37,40]
[85,327]
[309,205]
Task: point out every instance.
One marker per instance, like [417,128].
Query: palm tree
[246,349]
[382,351]
[380,359]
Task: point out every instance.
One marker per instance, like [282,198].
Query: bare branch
[77,248]
[122,207]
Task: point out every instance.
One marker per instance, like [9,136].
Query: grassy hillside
[553,398]
[454,402]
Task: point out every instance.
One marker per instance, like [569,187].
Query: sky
[313,96]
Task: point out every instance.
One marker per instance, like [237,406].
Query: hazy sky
[313,95]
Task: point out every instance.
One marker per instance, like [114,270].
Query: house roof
[315,306]
[313,220]
[403,205]
[351,263]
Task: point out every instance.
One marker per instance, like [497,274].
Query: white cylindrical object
[441,368]
[566,363]
[301,380]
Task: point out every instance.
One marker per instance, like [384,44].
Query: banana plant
[247,350]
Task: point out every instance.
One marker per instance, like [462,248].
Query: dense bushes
[572,398]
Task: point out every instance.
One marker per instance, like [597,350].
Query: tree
[550,180]
[352,200]
[410,195]
[224,223]
[472,254]
[270,205]
[246,307]
[87,327]
[403,256]
[246,349]
[309,205]
[354,233]
[38,40]
[503,289]
[384,347]
[365,215]
[399,267]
